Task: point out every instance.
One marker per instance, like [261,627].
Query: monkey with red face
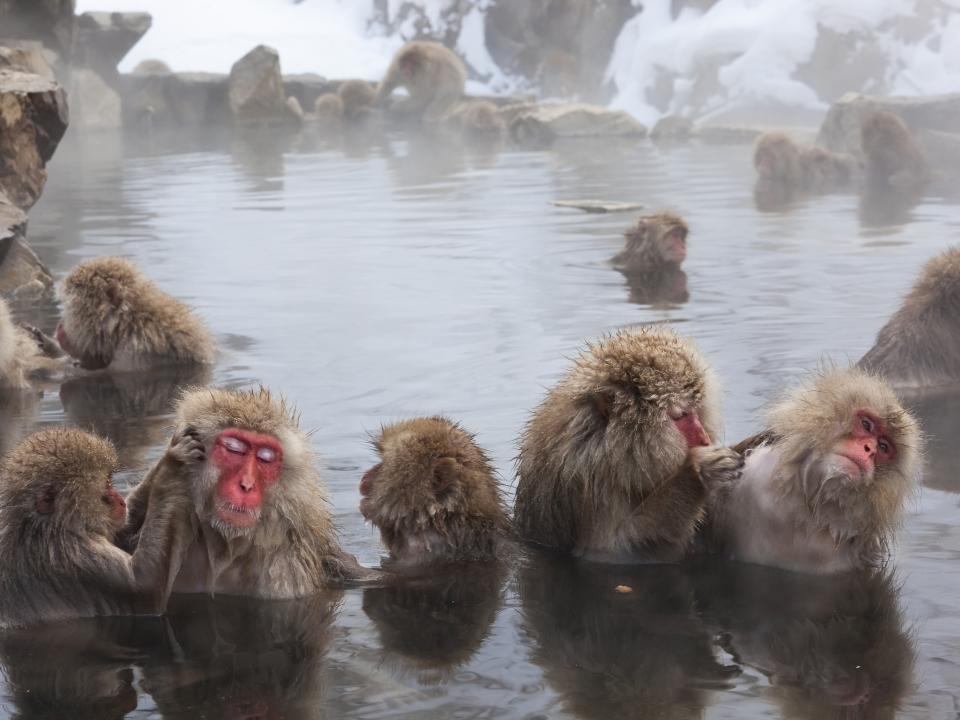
[824,488]
[261,526]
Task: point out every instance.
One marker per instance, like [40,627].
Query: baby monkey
[433,495]
[823,489]
[114,316]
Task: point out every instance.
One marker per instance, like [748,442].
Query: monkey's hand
[719,467]
[187,448]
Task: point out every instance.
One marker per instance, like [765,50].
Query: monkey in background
[433,495]
[893,161]
[59,514]
[616,462]
[115,317]
[823,488]
[328,109]
[358,98]
[433,76]
[655,248]
[786,169]
[259,517]
[920,344]
[474,120]
[25,353]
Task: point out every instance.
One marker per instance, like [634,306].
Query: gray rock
[728,134]
[672,128]
[29,56]
[175,100]
[95,105]
[307,87]
[597,206]
[33,118]
[104,38]
[21,272]
[255,88]
[52,22]
[537,124]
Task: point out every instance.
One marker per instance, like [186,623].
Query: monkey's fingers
[718,465]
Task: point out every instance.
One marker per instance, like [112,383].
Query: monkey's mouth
[862,469]
[237,515]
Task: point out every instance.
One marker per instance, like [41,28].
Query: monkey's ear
[446,473]
[45,503]
[601,402]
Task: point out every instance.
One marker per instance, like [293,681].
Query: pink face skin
[366,487]
[688,423]
[116,503]
[867,446]
[676,242]
[64,341]
[248,464]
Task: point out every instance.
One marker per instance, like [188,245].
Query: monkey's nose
[247,484]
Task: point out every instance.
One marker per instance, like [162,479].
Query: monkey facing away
[358,98]
[59,513]
[823,488]
[920,345]
[114,316]
[25,353]
[893,161]
[779,161]
[433,495]
[328,109]
[615,462]
[260,522]
[432,74]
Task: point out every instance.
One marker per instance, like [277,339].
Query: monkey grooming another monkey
[433,495]
[893,160]
[59,513]
[616,461]
[433,76]
[782,163]
[25,352]
[920,345]
[114,316]
[261,526]
[823,489]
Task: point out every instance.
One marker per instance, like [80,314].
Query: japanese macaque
[655,248]
[261,526]
[433,76]
[433,495]
[59,513]
[115,317]
[152,67]
[616,461]
[920,345]
[893,161]
[358,98]
[824,487]
[25,353]
[782,163]
[475,119]
[328,109]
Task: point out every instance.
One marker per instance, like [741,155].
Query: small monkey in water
[920,345]
[114,316]
[655,248]
[824,487]
[432,74]
[433,495]
[357,98]
[792,168]
[616,461]
[893,160]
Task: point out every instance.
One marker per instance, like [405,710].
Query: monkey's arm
[137,504]
[754,441]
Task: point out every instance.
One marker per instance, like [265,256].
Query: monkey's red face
[247,464]
[116,504]
[366,489]
[764,163]
[867,445]
[687,421]
[64,340]
[675,243]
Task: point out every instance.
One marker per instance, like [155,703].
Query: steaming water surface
[371,282]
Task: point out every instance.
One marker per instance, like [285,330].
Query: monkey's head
[60,480]
[648,392]
[663,235]
[937,290]
[258,464]
[96,296]
[883,139]
[357,97]
[852,448]
[433,494]
[775,157]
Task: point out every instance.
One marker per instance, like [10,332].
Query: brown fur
[801,169]
[602,470]
[358,98]
[57,558]
[892,158]
[796,509]
[648,247]
[152,67]
[25,353]
[328,108]
[114,316]
[920,345]
[475,118]
[433,495]
[292,551]
[432,74]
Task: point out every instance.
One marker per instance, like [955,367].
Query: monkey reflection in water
[830,647]
[620,641]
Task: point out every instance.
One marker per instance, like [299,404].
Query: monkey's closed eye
[266,455]
[234,445]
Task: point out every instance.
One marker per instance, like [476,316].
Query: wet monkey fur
[432,74]
[616,461]
[114,316]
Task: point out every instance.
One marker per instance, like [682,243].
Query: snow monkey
[114,316]
[920,345]
[260,521]
[433,495]
[25,353]
[824,487]
[656,243]
[616,461]
[432,74]
[328,109]
[893,160]
[358,98]
[59,513]
[779,160]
